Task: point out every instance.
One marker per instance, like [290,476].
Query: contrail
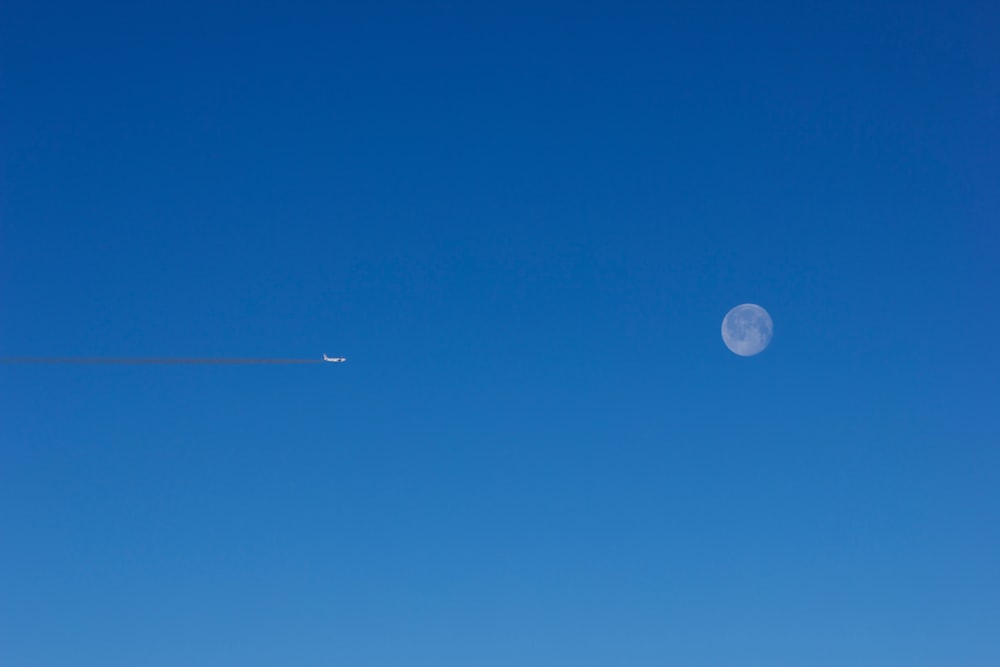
[154,360]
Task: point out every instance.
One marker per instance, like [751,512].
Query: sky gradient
[522,224]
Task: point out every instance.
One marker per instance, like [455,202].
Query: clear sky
[522,223]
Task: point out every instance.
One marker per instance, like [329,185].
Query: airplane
[334,359]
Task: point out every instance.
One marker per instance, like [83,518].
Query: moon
[747,329]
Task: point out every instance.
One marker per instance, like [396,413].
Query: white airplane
[334,359]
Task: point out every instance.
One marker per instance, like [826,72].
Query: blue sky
[522,223]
